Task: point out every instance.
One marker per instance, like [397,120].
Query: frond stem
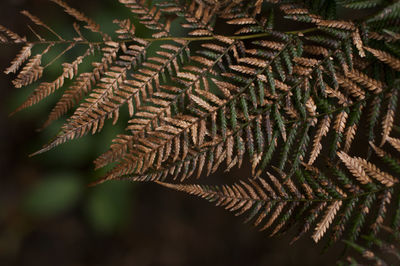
[274,200]
[60,55]
[170,38]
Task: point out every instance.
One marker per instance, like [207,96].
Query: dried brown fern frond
[12,36]
[385,57]
[47,88]
[272,202]
[38,22]
[90,24]
[32,71]
[21,57]
[84,83]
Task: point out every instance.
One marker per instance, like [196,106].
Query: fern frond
[360,167]
[206,102]
[302,107]
[385,199]
[38,22]
[385,57]
[84,83]
[21,57]
[103,102]
[150,18]
[90,24]
[390,12]
[394,142]
[387,122]
[360,4]
[323,129]
[32,71]
[381,248]
[355,168]
[148,116]
[271,202]
[47,88]
[393,163]
[327,220]
[14,37]
[200,17]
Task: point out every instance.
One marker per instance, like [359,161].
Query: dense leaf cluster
[314,109]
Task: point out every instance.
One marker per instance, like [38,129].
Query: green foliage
[53,195]
[109,207]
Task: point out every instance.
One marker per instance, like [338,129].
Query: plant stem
[205,38]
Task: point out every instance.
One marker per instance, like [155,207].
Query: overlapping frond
[84,83]
[90,24]
[46,88]
[208,107]
[273,202]
[379,252]
[10,36]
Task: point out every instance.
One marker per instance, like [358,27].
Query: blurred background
[48,215]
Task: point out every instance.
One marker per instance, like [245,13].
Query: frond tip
[326,221]
[360,167]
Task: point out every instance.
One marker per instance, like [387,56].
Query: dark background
[48,216]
